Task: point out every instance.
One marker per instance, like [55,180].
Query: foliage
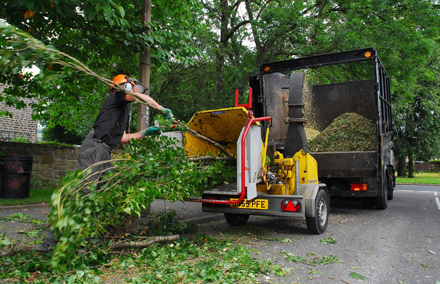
[188,260]
[203,50]
[329,240]
[422,107]
[355,275]
[166,125]
[55,143]
[107,36]
[60,134]
[20,139]
[149,168]
[315,260]
[166,224]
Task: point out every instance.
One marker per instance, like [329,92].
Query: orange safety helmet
[124,81]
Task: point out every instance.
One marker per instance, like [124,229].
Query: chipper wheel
[318,224]
[236,219]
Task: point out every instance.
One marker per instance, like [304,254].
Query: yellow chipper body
[268,183]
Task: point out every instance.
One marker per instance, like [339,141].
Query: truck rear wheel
[318,224]
[391,184]
[381,201]
[236,219]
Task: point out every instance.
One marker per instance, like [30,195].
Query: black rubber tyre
[390,183]
[236,220]
[381,201]
[318,224]
[368,202]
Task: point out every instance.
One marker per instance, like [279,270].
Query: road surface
[398,245]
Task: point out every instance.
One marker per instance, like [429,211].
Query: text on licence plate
[252,204]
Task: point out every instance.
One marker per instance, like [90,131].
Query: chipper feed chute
[221,125]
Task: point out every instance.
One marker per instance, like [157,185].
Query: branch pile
[91,201]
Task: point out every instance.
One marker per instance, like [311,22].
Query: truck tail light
[359,186]
[291,205]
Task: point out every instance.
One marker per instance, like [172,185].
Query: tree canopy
[107,36]
[203,50]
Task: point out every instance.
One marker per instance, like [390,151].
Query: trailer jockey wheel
[318,224]
[236,220]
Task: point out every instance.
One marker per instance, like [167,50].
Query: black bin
[15,176]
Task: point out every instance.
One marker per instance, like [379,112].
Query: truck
[276,175]
[353,81]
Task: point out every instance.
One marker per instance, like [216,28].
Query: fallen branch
[151,241]
[14,249]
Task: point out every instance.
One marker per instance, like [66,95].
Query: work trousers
[93,151]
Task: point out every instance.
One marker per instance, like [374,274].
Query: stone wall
[49,161]
[20,125]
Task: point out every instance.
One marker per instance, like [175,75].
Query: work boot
[50,241]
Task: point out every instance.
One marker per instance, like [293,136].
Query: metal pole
[144,66]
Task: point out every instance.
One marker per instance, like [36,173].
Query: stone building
[20,125]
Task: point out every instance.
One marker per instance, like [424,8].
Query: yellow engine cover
[308,173]
[221,125]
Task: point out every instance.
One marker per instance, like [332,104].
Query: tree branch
[12,250]
[144,244]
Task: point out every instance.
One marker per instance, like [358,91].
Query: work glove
[167,113]
[153,130]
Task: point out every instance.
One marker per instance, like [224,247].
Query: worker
[109,128]
[108,132]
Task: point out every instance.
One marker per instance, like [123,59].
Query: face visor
[128,86]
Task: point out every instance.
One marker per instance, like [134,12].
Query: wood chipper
[269,182]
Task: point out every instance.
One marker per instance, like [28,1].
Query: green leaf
[355,275]
[329,240]
[6,242]
[287,240]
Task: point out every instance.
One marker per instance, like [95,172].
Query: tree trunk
[401,167]
[410,165]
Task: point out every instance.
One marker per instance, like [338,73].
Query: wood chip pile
[348,132]
[311,133]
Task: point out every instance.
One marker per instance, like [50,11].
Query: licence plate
[252,204]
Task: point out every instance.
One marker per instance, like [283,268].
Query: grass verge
[421,178]
[36,195]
